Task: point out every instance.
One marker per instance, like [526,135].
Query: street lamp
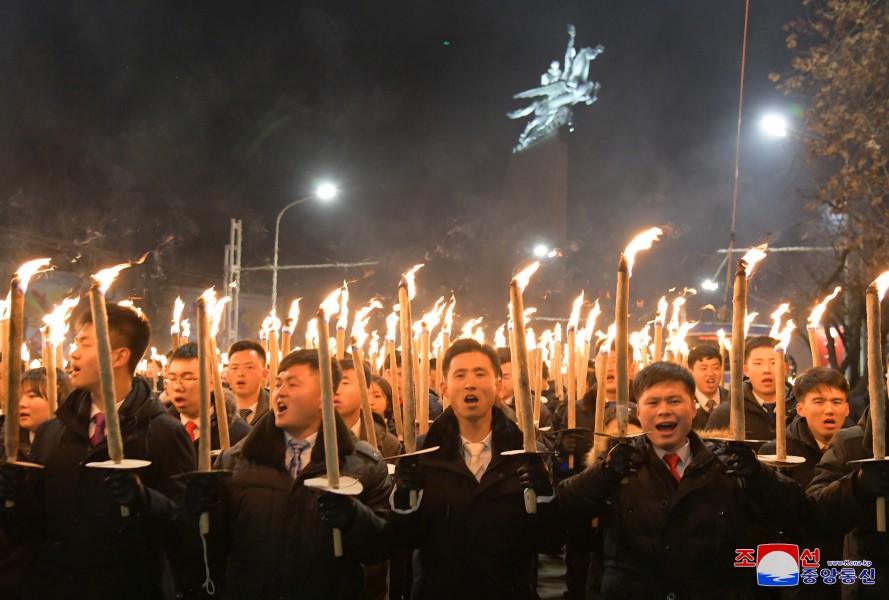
[325,192]
[774,125]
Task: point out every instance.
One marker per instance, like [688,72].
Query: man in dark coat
[474,536]
[845,495]
[89,549]
[759,392]
[705,364]
[247,374]
[347,401]
[183,388]
[276,531]
[672,527]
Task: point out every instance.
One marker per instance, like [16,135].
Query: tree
[841,66]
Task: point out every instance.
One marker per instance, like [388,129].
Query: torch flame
[408,278]
[466,331]
[359,335]
[186,329]
[331,305]
[293,315]
[178,307]
[557,333]
[106,277]
[818,311]
[391,326]
[343,320]
[882,283]
[216,315]
[312,333]
[776,320]
[753,256]
[662,306]
[677,306]
[57,320]
[575,312]
[643,241]
[727,344]
[131,305]
[530,339]
[591,320]
[433,317]
[784,336]
[4,308]
[524,276]
[528,312]
[29,269]
[449,316]
[500,337]
[748,320]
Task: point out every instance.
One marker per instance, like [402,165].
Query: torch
[814,322]
[342,323]
[289,327]
[643,241]
[56,328]
[406,291]
[15,333]
[391,327]
[359,336]
[178,307]
[101,281]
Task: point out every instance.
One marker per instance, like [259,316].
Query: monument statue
[559,90]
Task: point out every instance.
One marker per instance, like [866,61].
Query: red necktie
[190,427]
[98,429]
[672,461]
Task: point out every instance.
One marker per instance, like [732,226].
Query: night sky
[136,126]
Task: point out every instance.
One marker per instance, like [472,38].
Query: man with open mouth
[671,508]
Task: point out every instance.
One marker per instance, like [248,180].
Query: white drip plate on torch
[521,451]
[126,464]
[863,461]
[349,486]
[417,453]
[390,468]
[773,461]
[629,436]
[25,464]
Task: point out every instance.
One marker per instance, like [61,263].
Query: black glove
[12,482]
[873,479]
[409,477]
[622,461]
[127,490]
[573,441]
[202,493]
[533,475]
[337,511]
[740,461]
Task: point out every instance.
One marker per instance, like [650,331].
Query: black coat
[758,424]
[663,537]
[702,416]
[237,428]
[89,550]
[279,547]
[845,509]
[475,539]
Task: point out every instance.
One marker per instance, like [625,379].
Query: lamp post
[325,191]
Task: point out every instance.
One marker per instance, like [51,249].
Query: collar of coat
[445,432]
[265,442]
[138,408]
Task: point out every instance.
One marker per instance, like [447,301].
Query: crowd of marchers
[660,512]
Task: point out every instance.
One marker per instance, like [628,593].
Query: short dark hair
[663,372]
[187,351]
[348,364]
[310,359]
[34,380]
[703,352]
[505,355]
[126,328]
[810,379]
[242,345]
[759,341]
[466,345]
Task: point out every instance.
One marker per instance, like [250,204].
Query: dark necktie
[672,461]
[98,430]
[245,412]
[770,409]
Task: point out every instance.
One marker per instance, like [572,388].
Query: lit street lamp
[325,191]
[774,125]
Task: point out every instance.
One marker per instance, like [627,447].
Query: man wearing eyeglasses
[183,389]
